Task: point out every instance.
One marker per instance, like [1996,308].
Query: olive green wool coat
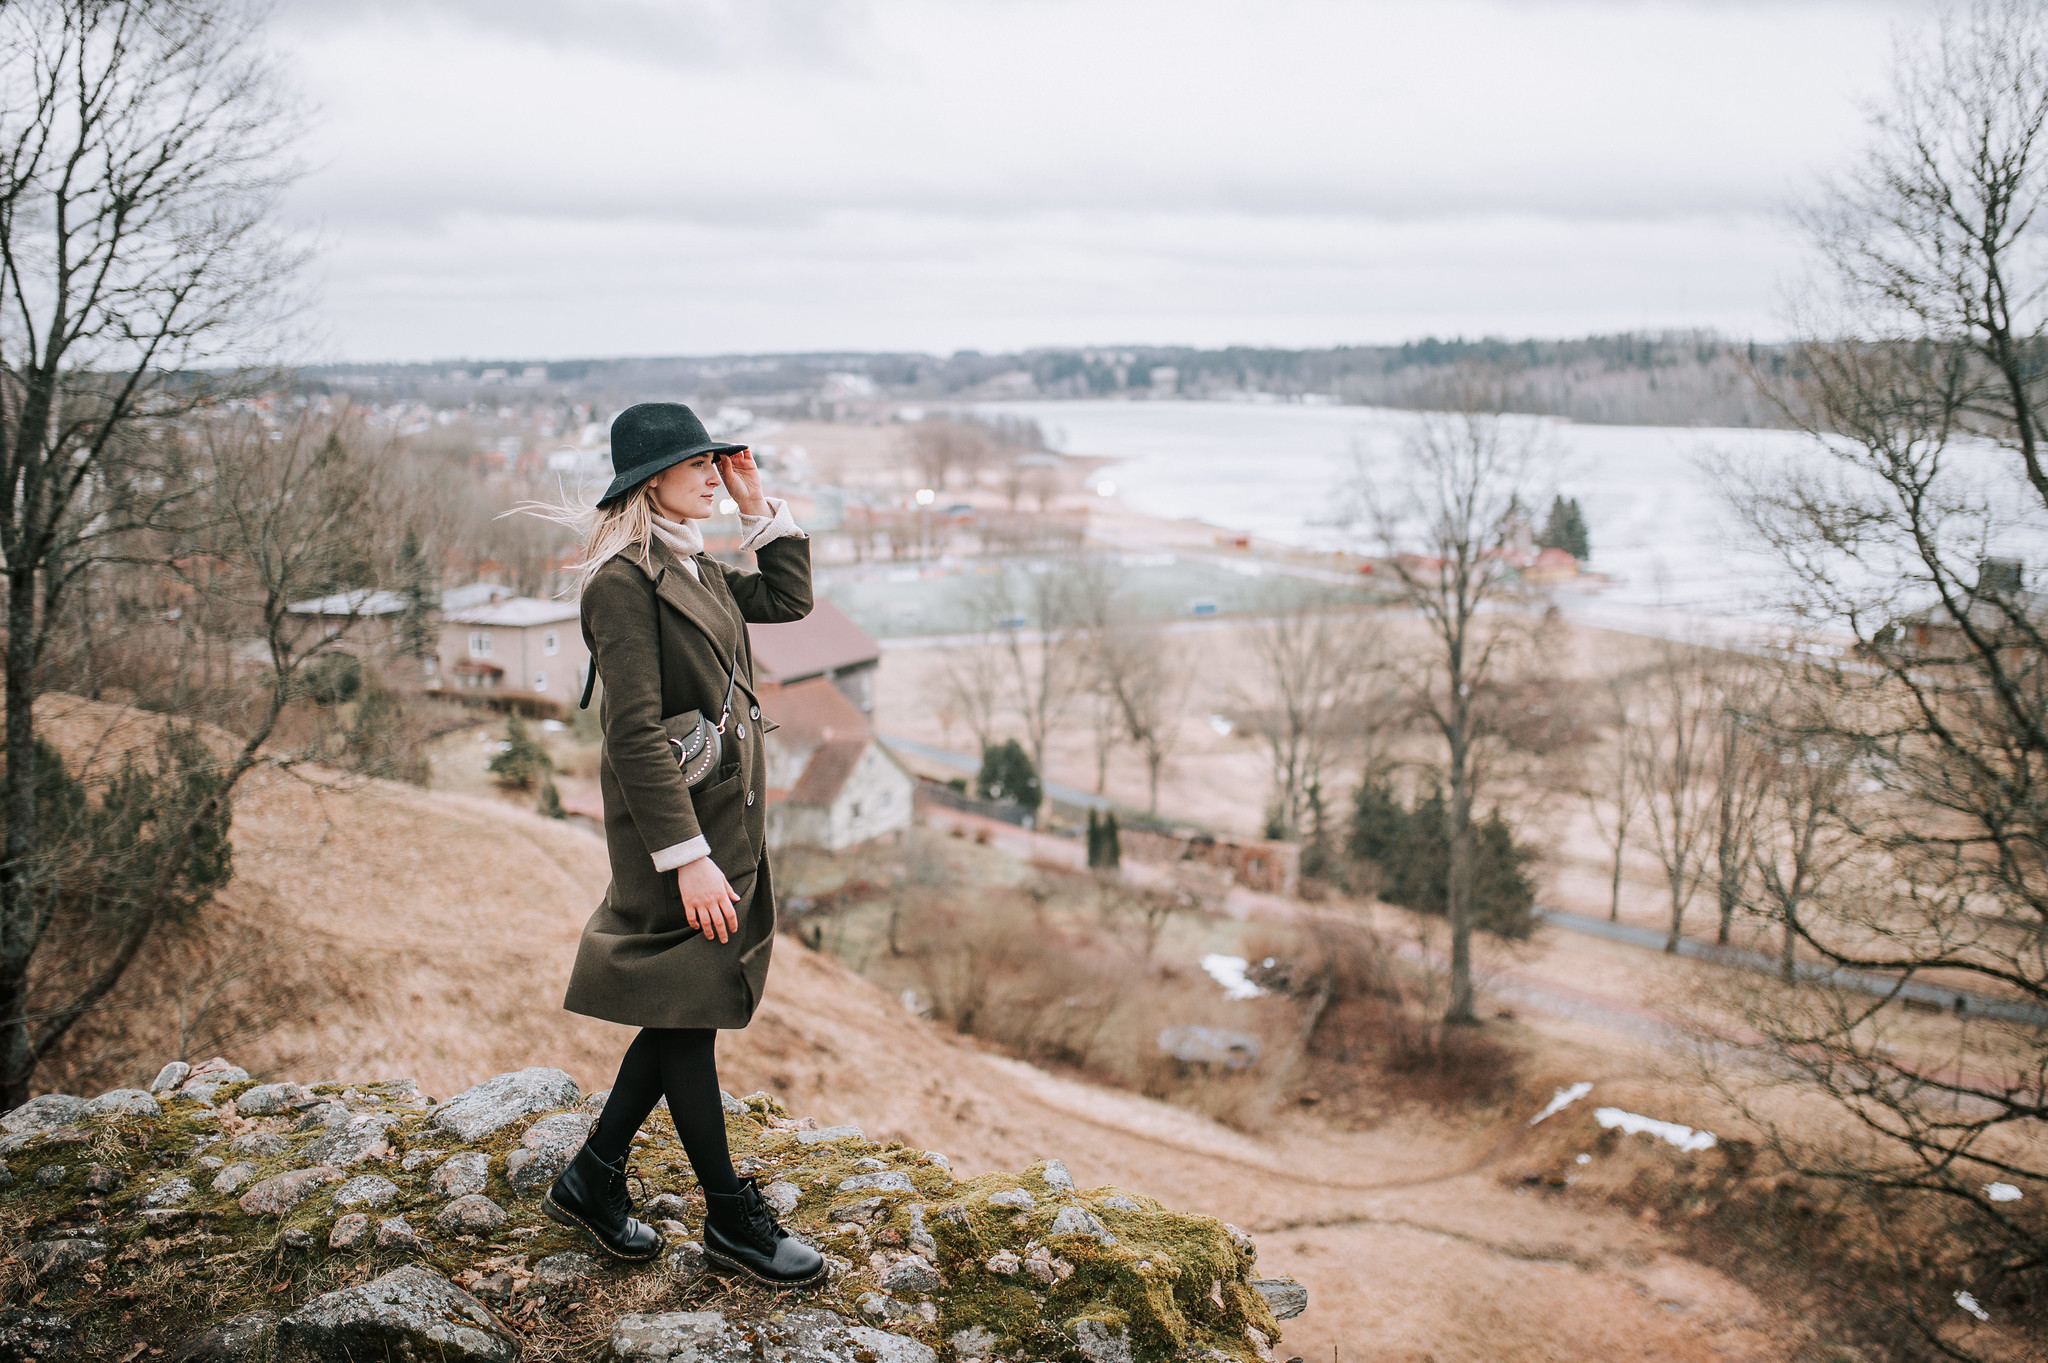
[661,642]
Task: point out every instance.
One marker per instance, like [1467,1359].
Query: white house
[831,783]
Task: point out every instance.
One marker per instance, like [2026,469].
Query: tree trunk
[1614,888]
[1677,916]
[17,1067]
[1459,812]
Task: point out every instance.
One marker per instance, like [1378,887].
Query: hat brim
[641,472]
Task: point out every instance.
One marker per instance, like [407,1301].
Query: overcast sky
[536,179]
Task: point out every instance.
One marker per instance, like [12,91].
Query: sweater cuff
[756,531]
[681,854]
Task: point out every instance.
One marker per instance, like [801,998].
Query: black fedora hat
[651,436]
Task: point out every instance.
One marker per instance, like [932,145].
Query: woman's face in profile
[688,490]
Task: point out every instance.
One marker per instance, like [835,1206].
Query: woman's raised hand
[708,898]
[742,479]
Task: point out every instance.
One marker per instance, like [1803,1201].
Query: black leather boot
[591,1195]
[740,1232]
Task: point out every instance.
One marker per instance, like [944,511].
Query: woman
[679,947]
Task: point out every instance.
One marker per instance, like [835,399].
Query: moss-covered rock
[131,1228]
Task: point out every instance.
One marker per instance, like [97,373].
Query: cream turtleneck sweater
[688,541]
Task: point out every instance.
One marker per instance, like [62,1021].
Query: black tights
[676,1062]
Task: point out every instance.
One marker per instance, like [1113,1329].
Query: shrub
[1007,774]
[332,678]
[524,761]
[1404,857]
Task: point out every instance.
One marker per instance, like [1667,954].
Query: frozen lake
[1658,524]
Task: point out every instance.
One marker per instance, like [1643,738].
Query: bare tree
[938,446]
[1923,388]
[1445,520]
[1740,750]
[1314,663]
[1138,686]
[140,154]
[1614,795]
[1805,833]
[1033,657]
[1673,753]
[277,521]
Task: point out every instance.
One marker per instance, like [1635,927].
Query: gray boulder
[273,1098]
[782,1195]
[460,1175]
[1080,1221]
[349,1231]
[912,1273]
[168,1193]
[42,1113]
[1096,1342]
[169,1077]
[360,1138]
[409,1312]
[66,1254]
[1192,1044]
[233,1176]
[1285,1297]
[261,1144]
[473,1214]
[891,1182]
[245,1337]
[1057,1178]
[503,1099]
[558,1271]
[365,1190]
[279,1193]
[393,1233]
[679,1337]
[124,1103]
[815,1335]
[1014,1197]
[827,1134]
[545,1150]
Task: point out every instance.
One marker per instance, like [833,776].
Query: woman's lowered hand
[708,898]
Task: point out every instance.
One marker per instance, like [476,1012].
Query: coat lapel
[674,584]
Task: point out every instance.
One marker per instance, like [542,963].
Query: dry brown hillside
[428,935]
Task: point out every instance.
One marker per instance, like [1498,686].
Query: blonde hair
[624,527]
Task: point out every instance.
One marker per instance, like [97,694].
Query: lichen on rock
[323,1220]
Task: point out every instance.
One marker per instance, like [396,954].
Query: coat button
[753,712]
[743,731]
[750,797]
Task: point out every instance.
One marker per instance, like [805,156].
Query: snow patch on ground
[1228,971]
[1562,1099]
[1969,1303]
[1635,1124]
[2002,1192]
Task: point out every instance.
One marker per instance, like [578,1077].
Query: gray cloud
[985,172]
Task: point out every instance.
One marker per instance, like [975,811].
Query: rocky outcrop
[213,1218]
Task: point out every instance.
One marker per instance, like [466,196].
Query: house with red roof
[822,644]
[831,783]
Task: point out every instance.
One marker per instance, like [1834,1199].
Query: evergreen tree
[1094,840]
[1406,853]
[550,804]
[1565,528]
[524,761]
[1007,774]
[417,636]
[1112,848]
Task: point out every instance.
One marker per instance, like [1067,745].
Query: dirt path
[1411,1246]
